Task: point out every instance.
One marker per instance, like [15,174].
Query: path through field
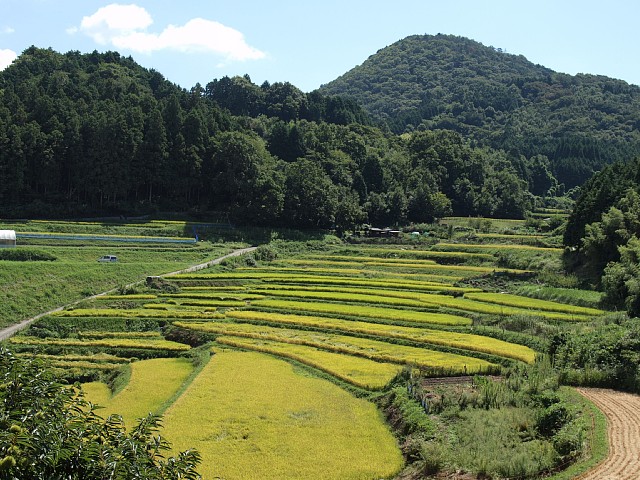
[623,416]
[13,329]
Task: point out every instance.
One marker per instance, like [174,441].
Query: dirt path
[13,329]
[623,416]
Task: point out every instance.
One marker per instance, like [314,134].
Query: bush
[265,253]
[26,255]
[551,419]
[432,458]
[49,431]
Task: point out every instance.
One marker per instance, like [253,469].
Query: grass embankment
[29,288]
[255,417]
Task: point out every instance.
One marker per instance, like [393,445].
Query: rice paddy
[256,417]
[357,314]
[153,382]
[435,362]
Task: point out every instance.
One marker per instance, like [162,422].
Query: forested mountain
[580,123]
[603,235]
[98,134]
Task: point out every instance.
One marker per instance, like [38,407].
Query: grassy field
[29,288]
[255,417]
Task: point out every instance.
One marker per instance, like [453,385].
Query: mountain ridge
[498,99]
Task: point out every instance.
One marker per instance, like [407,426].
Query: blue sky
[311,43]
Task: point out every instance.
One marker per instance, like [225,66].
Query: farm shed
[7,238]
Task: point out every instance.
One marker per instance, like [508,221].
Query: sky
[310,43]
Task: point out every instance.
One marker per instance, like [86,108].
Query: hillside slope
[446,82]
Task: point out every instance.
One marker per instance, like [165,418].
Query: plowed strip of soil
[623,416]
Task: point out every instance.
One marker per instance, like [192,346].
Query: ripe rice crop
[208,288]
[471,247]
[152,383]
[252,416]
[310,269]
[151,344]
[96,358]
[84,365]
[435,362]
[360,290]
[377,273]
[364,259]
[311,264]
[136,313]
[366,311]
[212,303]
[464,341]
[532,303]
[343,297]
[321,279]
[212,296]
[469,305]
[136,296]
[358,371]
[98,334]
[461,270]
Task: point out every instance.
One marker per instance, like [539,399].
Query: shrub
[50,431]
[26,255]
[265,253]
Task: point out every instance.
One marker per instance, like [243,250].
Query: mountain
[580,123]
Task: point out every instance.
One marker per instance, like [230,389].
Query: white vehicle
[108,258]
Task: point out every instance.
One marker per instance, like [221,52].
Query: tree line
[86,134]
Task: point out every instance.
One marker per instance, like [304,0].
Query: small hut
[7,238]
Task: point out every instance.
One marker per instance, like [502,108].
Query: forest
[425,82]
[96,134]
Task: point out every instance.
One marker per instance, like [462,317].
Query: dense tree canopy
[603,235]
[48,432]
[580,123]
[98,134]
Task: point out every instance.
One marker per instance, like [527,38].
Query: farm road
[623,417]
[13,329]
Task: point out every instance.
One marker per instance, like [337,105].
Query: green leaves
[49,432]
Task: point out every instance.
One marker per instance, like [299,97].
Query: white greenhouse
[7,238]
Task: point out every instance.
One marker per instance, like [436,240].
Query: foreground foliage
[48,432]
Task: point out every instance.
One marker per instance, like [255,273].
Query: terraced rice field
[153,383]
[357,314]
[437,363]
[255,417]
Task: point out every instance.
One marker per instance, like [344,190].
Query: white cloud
[125,27]
[8,30]
[114,20]
[6,58]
